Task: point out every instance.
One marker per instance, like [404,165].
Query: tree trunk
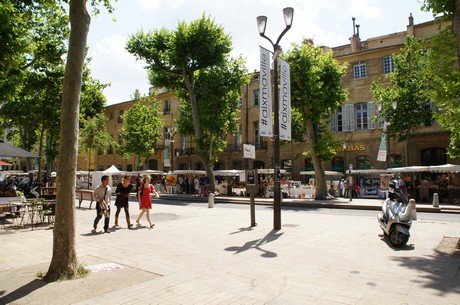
[320,177]
[64,260]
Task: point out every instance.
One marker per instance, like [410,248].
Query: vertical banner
[167,160]
[265,96]
[285,101]
[382,156]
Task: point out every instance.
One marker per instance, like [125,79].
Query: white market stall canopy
[228,172]
[187,172]
[446,168]
[327,173]
[369,171]
[269,171]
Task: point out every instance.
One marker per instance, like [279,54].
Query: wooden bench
[85,195]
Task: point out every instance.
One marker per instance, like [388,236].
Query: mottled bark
[64,260]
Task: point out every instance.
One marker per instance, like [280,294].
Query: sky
[328,23]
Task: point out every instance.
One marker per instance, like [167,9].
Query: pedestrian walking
[103,195]
[122,192]
[145,202]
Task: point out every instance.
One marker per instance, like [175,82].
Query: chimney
[410,26]
[355,41]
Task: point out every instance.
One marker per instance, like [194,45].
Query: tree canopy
[140,131]
[184,60]
[315,92]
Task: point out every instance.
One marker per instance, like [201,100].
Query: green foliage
[93,135]
[140,131]
[173,55]
[315,92]
[193,61]
[410,87]
[219,100]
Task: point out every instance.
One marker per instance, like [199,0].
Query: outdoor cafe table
[34,209]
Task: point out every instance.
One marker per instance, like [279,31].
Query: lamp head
[288,13]
[394,104]
[262,24]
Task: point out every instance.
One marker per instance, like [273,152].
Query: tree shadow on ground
[22,291]
[441,273]
[257,245]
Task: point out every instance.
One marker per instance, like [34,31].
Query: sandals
[152,225]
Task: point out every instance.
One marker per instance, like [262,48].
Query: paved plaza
[201,255]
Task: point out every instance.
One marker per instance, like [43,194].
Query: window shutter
[370,115]
[334,121]
[348,112]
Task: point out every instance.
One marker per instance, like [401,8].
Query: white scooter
[395,218]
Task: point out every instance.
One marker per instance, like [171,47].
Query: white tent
[112,169]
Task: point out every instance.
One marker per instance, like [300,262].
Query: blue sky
[326,22]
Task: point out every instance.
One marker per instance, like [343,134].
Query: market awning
[188,172]
[228,172]
[327,173]
[446,168]
[369,171]
[8,150]
[5,164]
[269,171]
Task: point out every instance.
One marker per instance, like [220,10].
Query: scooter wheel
[398,239]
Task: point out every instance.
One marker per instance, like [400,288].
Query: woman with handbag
[145,202]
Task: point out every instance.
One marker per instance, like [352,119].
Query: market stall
[423,181]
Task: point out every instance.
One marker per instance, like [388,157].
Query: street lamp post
[288,13]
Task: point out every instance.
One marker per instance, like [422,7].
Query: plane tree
[315,93]
[193,61]
[140,131]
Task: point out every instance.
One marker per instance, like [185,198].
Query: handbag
[104,206]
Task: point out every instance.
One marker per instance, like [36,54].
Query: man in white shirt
[103,195]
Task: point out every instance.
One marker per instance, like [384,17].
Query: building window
[129,167]
[167,133]
[434,156]
[111,115]
[120,139]
[153,164]
[388,64]
[167,107]
[110,150]
[120,119]
[359,69]
[361,116]
[396,160]
[219,166]
[338,164]
[363,162]
[256,97]
[337,120]
[308,165]
[256,133]
[237,165]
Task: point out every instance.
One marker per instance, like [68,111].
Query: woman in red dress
[145,202]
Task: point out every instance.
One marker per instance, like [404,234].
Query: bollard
[435,200]
[211,200]
[413,212]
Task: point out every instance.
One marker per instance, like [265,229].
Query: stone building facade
[368,61]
